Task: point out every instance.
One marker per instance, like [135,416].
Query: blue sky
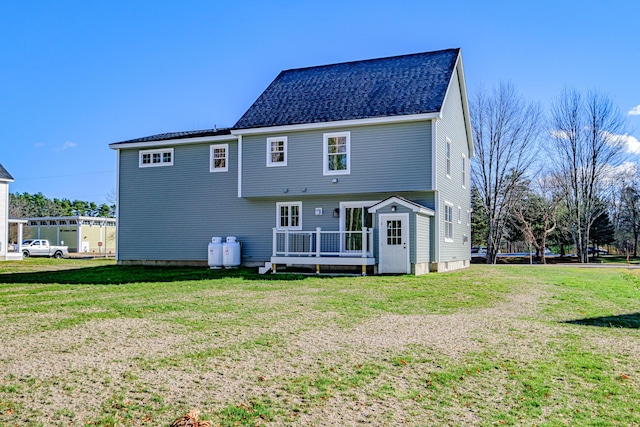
[76,76]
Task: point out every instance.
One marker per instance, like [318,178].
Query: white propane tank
[215,253]
[231,253]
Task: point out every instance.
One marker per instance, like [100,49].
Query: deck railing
[320,243]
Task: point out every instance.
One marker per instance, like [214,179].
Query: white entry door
[393,243]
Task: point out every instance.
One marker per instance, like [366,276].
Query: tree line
[25,205]
[559,178]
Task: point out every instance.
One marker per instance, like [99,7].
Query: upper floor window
[151,158]
[448,222]
[337,153]
[464,171]
[219,158]
[277,151]
[448,157]
[288,216]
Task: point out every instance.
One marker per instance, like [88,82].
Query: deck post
[318,245]
[275,242]
[286,242]
[364,242]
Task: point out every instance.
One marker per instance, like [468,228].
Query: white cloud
[635,111]
[560,134]
[631,143]
[68,144]
[615,176]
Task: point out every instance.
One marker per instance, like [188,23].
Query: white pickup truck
[42,247]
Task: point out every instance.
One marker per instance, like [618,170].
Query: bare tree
[629,220]
[586,141]
[506,130]
[536,213]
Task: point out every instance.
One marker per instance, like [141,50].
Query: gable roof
[5,175]
[415,207]
[394,86]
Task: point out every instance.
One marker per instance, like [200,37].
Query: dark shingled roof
[178,135]
[4,174]
[399,85]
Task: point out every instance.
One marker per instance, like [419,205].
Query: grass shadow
[120,275]
[630,321]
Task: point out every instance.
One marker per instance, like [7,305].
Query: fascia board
[465,102]
[339,124]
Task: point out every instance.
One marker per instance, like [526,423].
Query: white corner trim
[117,205]
[434,155]
[239,166]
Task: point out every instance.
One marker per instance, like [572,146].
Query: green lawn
[86,342]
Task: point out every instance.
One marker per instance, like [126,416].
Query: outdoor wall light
[286,190]
[336,213]
[393,208]
[304,190]
[334,180]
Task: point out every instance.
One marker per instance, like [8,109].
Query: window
[219,158]
[277,151]
[448,156]
[464,171]
[337,153]
[459,215]
[152,158]
[448,222]
[353,218]
[468,217]
[394,232]
[289,216]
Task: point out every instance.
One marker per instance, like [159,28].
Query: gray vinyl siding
[451,189]
[171,212]
[423,241]
[384,158]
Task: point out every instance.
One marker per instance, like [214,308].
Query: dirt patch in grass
[282,358]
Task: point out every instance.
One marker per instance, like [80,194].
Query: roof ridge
[408,55]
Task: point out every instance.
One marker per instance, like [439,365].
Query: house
[361,164]
[5,250]
[80,233]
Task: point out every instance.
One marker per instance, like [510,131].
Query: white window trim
[278,205]
[447,158]
[271,163]
[448,205]
[345,205]
[212,148]
[151,153]
[343,216]
[464,171]
[325,157]
[459,215]
[468,217]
